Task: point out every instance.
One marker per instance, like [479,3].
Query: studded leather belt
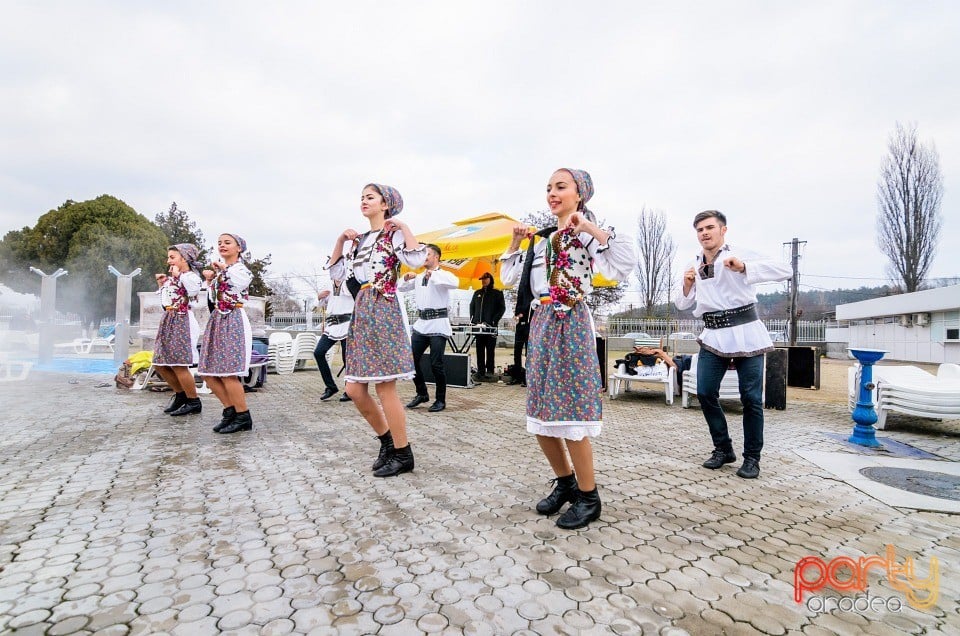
[431,314]
[338,319]
[730,317]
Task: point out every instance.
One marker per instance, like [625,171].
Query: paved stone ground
[115,519]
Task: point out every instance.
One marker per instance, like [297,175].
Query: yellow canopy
[472,247]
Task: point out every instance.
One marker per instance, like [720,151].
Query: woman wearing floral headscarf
[227,340]
[563,378]
[176,345]
[378,347]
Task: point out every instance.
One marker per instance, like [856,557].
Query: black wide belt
[730,317]
[430,314]
[338,319]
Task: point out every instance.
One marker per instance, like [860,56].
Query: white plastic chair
[910,390]
[303,346]
[948,371]
[280,352]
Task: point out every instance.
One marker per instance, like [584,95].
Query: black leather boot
[242,422]
[179,399]
[564,490]
[191,406]
[584,510]
[228,414]
[386,450]
[401,461]
[720,457]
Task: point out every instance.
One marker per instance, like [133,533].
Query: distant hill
[814,304]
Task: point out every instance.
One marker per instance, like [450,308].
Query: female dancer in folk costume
[176,347]
[563,377]
[378,347]
[227,340]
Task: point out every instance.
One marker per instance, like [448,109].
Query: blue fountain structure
[865,415]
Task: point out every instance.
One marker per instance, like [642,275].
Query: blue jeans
[710,371]
[320,355]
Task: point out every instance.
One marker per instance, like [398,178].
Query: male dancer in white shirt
[339,306]
[432,328]
[722,283]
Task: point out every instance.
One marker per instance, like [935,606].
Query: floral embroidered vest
[173,296]
[383,264]
[569,269]
[228,297]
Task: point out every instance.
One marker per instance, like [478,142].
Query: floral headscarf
[242,244]
[391,197]
[190,253]
[584,188]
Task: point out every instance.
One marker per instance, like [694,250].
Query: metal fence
[807,330]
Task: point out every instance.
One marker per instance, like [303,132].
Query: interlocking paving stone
[119,521]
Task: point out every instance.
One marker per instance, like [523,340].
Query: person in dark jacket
[486,308]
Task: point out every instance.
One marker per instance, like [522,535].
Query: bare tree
[908,198]
[655,253]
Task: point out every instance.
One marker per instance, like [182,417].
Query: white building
[922,326]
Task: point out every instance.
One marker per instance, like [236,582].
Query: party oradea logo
[845,574]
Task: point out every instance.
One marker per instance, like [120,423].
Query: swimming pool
[78,365]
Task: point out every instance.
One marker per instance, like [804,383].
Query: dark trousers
[485,346]
[437,344]
[320,355]
[519,343]
[710,371]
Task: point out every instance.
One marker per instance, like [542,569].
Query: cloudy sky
[266,119]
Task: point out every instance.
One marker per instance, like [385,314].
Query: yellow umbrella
[473,246]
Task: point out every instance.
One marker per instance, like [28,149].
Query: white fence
[807,330]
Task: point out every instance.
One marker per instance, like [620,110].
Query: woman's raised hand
[349,234]
[390,225]
[520,232]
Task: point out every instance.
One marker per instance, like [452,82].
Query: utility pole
[794,287]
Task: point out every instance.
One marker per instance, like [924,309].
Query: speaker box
[775,396]
[456,366]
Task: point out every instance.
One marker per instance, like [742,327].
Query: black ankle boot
[241,422]
[584,510]
[191,406]
[179,399]
[401,461]
[564,490]
[228,414]
[386,450]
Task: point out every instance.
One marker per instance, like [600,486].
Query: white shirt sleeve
[338,269]
[686,302]
[762,269]
[239,276]
[511,267]
[191,283]
[405,285]
[617,259]
[415,258]
[443,278]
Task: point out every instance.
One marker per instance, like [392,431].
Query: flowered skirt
[177,337]
[563,375]
[378,347]
[226,344]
